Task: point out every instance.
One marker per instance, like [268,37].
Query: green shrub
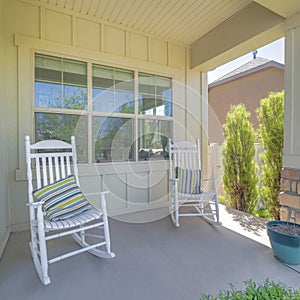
[240,178]
[271,118]
[264,291]
[262,213]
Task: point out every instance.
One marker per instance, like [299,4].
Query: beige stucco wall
[249,90]
[28,28]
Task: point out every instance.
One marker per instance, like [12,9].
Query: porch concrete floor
[153,260]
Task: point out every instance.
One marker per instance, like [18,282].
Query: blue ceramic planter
[285,247]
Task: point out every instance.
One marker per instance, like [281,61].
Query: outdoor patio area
[153,260]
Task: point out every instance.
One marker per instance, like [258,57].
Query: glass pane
[102,72]
[163,87]
[164,107]
[103,83]
[47,95]
[168,103]
[146,105]
[74,72]
[48,75]
[123,75]
[146,83]
[75,97]
[153,139]
[155,95]
[113,90]
[48,62]
[60,83]
[112,139]
[62,127]
[103,100]
[124,102]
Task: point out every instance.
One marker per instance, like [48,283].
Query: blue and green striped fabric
[62,199]
[189,181]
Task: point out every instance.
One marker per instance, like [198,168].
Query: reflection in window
[113,90]
[155,95]
[60,83]
[153,139]
[107,113]
[62,127]
[112,139]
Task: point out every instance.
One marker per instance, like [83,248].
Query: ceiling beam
[252,27]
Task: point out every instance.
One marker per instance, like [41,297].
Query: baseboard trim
[4,241]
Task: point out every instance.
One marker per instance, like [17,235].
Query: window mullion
[136,112]
[90,110]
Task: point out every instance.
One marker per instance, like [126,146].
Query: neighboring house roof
[250,67]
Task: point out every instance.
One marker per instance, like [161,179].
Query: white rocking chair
[189,193]
[53,163]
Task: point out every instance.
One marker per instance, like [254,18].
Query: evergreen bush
[270,133]
[240,177]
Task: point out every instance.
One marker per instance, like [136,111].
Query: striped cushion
[62,199]
[189,181]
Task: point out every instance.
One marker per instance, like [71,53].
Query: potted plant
[285,241]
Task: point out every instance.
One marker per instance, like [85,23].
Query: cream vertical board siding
[291,157]
[138,189]
[159,51]
[4,205]
[138,45]
[58,27]
[88,34]
[159,184]
[177,56]
[193,105]
[204,122]
[117,196]
[134,186]
[115,42]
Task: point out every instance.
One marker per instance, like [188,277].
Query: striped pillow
[63,199]
[189,181]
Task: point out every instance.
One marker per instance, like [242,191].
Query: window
[113,90]
[112,139]
[60,83]
[153,139]
[155,95]
[102,111]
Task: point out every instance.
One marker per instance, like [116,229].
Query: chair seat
[83,218]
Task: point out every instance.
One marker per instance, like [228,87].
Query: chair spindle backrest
[185,155]
[50,160]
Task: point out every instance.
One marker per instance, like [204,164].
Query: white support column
[291,157]
[204,123]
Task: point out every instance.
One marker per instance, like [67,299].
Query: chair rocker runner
[189,194]
[58,208]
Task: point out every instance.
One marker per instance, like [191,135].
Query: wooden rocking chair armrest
[35,204]
[173,179]
[102,199]
[96,194]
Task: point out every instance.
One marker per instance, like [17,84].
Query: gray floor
[153,261]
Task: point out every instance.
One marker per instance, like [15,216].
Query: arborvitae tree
[271,117]
[240,177]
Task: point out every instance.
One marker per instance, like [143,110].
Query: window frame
[90,113]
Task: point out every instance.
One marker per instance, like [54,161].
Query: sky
[272,51]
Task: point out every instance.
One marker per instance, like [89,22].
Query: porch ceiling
[192,22]
[178,20]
